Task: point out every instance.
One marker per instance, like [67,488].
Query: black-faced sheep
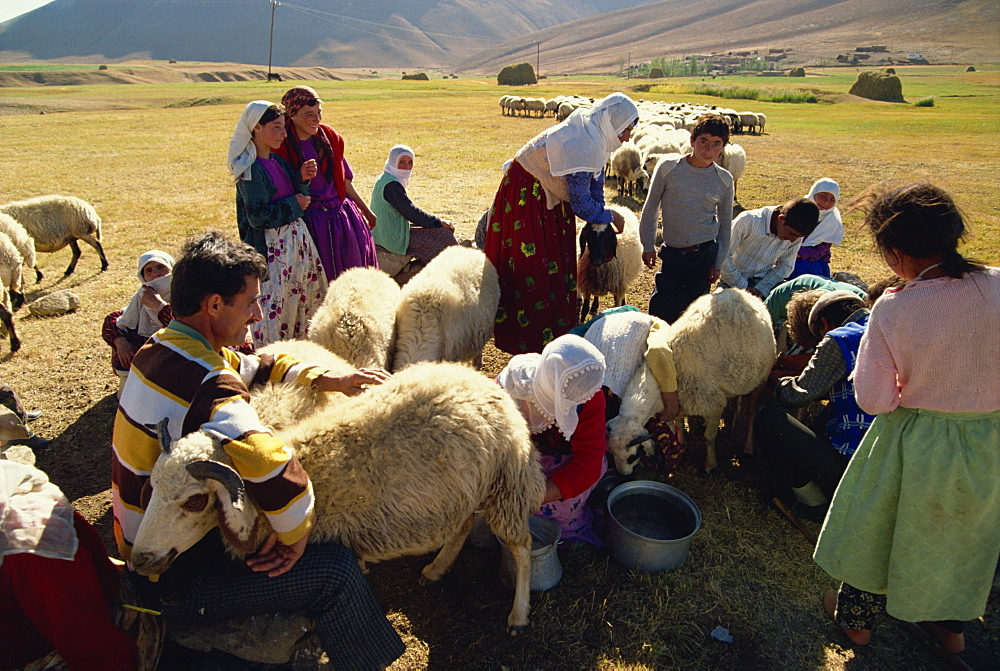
[723,347]
[447,311]
[613,277]
[56,221]
[357,318]
[25,245]
[399,470]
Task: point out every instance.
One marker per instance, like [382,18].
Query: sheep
[399,470]
[7,327]
[536,105]
[734,159]
[761,120]
[551,105]
[25,245]
[279,405]
[515,105]
[626,163]
[11,263]
[56,221]
[447,312]
[748,121]
[723,347]
[357,318]
[615,276]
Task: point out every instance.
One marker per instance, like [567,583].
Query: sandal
[856,636]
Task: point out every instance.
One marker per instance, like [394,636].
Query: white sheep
[723,347]
[734,159]
[56,221]
[11,263]
[626,164]
[447,312]
[25,245]
[7,327]
[761,120]
[399,470]
[357,318]
[536,105]
[613,277]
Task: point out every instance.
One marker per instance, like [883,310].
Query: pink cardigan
[934,345]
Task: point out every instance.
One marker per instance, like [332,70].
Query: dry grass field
[151,158]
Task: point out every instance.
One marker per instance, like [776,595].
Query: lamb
[25,245]
[398,470]
[7,327]
[615,276]
[626,163]
[56,221]
[10,272]
[447,312]
[357,318]
[723,347]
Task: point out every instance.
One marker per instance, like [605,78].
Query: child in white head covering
[559,394]
[814,253]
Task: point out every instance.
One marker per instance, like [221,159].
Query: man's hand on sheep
[618,221]
[671,406]
[649,258]
[353,384]
[277,558]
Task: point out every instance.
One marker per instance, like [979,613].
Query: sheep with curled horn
[398,470]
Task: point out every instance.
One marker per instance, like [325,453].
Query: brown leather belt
[692,249]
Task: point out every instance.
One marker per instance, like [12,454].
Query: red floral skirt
[534,251]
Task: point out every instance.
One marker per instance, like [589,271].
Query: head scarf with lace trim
[830,227]
[587,138]
[550,385]
[295,99]
[242,152]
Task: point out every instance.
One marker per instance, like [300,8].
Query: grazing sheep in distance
[357,318]
[25,245]
[613,277]
[56,221]
[734,159]
[723,347]
[399,470]
[626,164]
[447,312]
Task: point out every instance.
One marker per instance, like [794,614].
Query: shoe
[856,636]
[32,415]
[32,441]
[949,640]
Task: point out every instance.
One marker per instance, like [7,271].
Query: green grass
[733,92]
[925,102]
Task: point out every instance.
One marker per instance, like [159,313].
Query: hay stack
[876,85]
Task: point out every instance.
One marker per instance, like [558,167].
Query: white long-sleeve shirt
[757,253]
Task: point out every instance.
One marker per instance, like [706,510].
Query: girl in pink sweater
[912,528]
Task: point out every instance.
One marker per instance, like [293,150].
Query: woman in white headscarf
[403,228]
[814,253]
[559,393]
[270,200]
[531,230]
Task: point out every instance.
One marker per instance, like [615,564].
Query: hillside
[343,34]
[943,30]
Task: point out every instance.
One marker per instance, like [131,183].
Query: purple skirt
[341,234]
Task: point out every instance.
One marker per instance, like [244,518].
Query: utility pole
[628,72]
[270,47]
[538,48]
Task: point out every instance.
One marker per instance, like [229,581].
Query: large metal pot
[650,525]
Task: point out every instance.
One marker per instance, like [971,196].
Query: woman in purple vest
[809,461]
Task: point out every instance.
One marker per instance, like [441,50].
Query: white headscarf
[585,140]
[830,227]
[390,165]
[138,317]
[242,152]
[550,385]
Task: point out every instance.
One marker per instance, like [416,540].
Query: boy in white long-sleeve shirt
[764,243]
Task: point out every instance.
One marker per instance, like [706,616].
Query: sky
[11,8]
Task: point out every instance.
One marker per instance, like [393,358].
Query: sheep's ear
[163,433]
[226,476]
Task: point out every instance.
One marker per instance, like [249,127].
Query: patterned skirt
[295,285]
[534,251]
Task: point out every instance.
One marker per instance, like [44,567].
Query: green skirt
[917,514]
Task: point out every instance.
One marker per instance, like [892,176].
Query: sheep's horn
[163,433]
[229,478]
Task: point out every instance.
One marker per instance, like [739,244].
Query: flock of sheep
[42,224]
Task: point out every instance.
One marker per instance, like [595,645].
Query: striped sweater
[179,376]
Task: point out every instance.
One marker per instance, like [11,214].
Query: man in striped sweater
[186,374]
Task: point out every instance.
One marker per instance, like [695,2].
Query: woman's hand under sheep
[618,221]
[671,406]
[353,384]
[277,558]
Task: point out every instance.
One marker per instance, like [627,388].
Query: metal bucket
[546,571]
[480,536]
[650,525]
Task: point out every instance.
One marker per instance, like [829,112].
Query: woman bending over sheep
[559,393]
[403,227]
[270,201]
[338,219]
[531,236]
